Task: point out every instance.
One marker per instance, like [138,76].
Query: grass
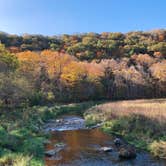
[15,160]
[140,122]
[21,136]
[158,147]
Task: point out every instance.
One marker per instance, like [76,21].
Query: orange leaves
[29,62]
[51,60]
[94,69]
[73,79]
[73,73]
[28,56]
[81,70]
[55,61]
[144,59]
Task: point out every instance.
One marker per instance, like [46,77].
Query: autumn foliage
[85,67]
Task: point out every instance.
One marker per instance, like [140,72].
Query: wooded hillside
[82,67]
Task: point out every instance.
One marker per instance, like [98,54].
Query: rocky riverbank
[72,140]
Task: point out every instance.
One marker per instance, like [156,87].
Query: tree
[79,83]
[158,72]
[29,64]
[14,89]
[8,61]
[108,82]
[159,47]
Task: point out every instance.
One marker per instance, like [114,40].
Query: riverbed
[82,146]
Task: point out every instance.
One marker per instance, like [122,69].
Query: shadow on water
[82,149]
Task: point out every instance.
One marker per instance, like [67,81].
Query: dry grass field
[140,122]
[152,108]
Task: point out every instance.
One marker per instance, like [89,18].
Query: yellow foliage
[73,72]
[51,60]
[29,61]
[158,148]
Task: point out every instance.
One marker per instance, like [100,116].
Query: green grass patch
[140,131]
[21,136]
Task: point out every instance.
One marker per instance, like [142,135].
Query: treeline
[30,78]
[91,46]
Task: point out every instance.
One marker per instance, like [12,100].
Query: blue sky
[49,17]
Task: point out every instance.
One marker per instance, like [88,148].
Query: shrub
[158,148]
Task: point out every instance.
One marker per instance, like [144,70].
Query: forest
[81,67]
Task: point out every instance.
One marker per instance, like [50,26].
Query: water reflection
[83,150]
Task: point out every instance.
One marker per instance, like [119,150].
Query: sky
[55,17]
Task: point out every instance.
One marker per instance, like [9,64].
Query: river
[81,146]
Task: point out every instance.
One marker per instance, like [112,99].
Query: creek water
[82,146]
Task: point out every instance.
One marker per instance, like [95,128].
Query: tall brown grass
[153,108]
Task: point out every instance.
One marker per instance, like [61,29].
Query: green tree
[8,61]
[14,89]
[159,47]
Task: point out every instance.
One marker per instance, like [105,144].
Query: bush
[15,160]
[22,161]
[36,98]
[158,149]
[91,120]
[14,90]
[33,146]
